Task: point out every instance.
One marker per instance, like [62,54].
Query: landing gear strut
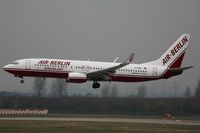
[96,85]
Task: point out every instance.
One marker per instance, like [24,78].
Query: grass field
[195,117]
[90,127]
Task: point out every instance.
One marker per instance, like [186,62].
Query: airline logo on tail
[175,50]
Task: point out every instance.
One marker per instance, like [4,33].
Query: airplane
[76,71]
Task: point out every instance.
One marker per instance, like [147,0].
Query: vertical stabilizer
[173,57]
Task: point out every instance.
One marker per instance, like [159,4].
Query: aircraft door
[155,71]
[28,64]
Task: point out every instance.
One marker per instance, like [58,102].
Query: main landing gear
[96,85]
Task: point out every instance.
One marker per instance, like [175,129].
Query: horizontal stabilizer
[179,69]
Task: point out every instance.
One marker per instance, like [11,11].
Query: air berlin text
[46,62]
[175,50]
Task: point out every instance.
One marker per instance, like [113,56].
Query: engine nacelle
[75,77]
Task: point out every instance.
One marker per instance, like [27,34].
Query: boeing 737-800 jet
[74,71]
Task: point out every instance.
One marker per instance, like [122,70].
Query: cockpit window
[15,62]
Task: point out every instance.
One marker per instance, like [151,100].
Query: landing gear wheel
[22,81]
[95,85]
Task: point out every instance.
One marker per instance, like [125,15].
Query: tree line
[59,89]
[103,105]
[108,103]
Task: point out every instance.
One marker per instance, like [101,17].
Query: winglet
[130,58]
[116,59]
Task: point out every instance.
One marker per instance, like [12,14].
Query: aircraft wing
[107,72]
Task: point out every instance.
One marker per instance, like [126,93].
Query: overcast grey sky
[98,30]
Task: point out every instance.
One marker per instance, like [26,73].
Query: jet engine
[75,77]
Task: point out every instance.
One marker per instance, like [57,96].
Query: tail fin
[173,57]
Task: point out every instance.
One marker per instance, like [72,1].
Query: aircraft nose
[5,67]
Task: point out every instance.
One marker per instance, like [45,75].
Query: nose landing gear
[19,76]
[21,81]
[96,85]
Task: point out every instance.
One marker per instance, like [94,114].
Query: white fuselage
[55,68]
